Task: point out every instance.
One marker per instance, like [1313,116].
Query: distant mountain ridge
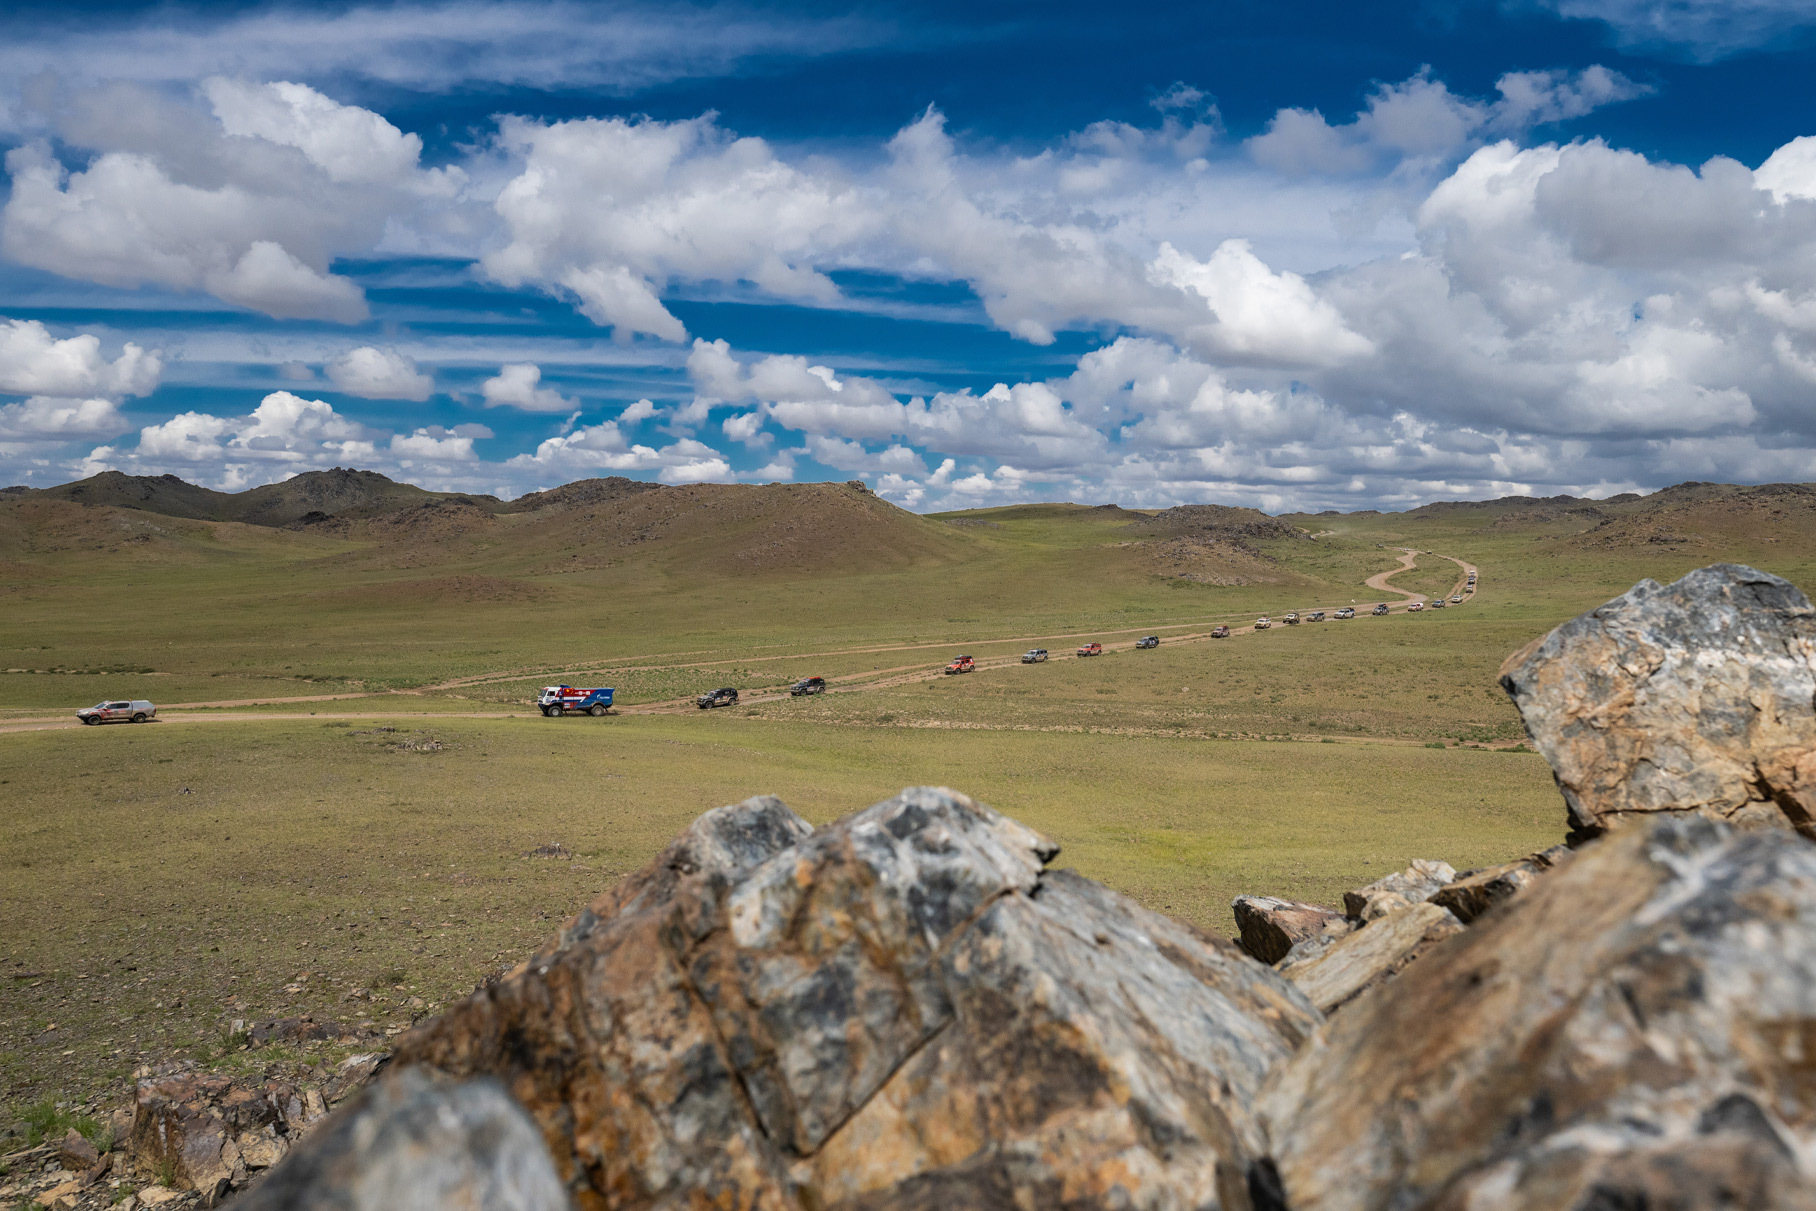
[348,493]
[312,496]
[588,524]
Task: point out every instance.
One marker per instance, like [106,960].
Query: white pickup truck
[119,710]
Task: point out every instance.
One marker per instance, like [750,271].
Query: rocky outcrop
[1634,1030]
[900,1010]
[212,1133]
[1269,928]
[1691,697]
[419,1143]
[1403,888]
[1350,965]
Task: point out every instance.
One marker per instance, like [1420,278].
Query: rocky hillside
[313,494]
[911,1009]
[1211,544]
[707,529]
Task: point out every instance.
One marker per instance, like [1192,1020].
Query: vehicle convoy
[1262,624]
[808,685]
[1415,607]
[1091,649]
[1148,641]
[119,710]
[1034,655]
[1315,616]
[1346,612]
[726,696]
[1291,619]
[566,700]
[1380,609]
[1220,632]
[961,664]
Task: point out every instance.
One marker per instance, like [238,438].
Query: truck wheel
[595,710]
[139,718]
[90,720]
[551,711]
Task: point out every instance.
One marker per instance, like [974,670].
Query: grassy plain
[316,858]
[310,860]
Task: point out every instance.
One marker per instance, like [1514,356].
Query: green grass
[327,866]
[48,1120]
[310,862]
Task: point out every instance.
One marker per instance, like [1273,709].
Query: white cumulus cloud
[46,418]
[517,385]
[249,202]
[372,373]
[33,362]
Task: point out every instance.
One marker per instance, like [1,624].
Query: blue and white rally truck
[557,700]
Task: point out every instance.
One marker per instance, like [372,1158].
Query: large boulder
[1636,1029]
[901,1010]
[415,1142]
[1695,696]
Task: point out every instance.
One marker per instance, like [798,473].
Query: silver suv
[1034,655]
[118,710]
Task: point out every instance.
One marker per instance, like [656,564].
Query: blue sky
[1290,255]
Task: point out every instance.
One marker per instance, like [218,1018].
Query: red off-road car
[1091,649]
[961,664]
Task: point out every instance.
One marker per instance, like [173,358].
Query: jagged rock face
[900,1010]
[1633,1030]
[1696,696]
[1271,927]
[205,1132]
[416,1143]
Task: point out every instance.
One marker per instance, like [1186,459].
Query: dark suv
[1150,641]
[808,685]
[720,697]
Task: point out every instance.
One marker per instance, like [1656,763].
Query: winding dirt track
[875,679]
